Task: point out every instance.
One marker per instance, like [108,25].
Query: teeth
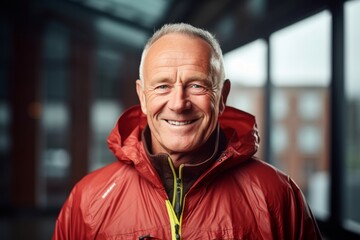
[176,123]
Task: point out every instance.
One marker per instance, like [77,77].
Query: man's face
[180,100]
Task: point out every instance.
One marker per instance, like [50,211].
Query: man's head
[217,72]
[181,88]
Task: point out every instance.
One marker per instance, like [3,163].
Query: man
[186,167]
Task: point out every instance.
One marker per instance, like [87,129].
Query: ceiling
[129,23]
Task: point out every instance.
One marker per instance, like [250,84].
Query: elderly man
[186,167]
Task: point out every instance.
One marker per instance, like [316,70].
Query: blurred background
[68,70]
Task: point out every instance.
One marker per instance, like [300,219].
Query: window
[106,107]
[55,122]
[300,74]
[246,69]
[352,101]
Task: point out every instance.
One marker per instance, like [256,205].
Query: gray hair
[217,72]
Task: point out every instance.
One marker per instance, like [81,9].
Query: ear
[224,95]
[141,95]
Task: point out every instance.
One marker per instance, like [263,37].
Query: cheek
[154,104]
[210,102]
[213,108]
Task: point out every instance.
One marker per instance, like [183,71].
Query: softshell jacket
[237,197]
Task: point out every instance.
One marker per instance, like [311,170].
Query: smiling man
[186,167]
[180,98]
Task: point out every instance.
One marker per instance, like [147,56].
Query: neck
[206,151]
[198,155]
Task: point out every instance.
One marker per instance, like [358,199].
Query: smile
[178,123]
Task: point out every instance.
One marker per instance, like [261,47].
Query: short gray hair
[217,72]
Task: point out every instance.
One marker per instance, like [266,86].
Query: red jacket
[237,197]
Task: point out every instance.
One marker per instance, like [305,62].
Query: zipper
[177,234]
[176,207]
[174,221]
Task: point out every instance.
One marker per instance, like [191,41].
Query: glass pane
[246,65]
[55,122]
[299,106]
[104,114]
[246,69]
[302,52]
[352,93]
[106,108]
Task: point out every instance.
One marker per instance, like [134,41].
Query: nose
[179,101]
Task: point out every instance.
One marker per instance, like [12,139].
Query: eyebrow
[160,80]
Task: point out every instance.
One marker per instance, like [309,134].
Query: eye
[197,88]
[164,88]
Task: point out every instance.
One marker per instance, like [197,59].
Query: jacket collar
[238,127]
[190,172]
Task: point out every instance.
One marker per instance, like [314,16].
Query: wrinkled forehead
[179,51]
[179,43]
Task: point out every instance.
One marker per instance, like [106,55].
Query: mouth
[179,123]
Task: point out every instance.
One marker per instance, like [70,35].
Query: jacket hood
[125,139]
[241,132]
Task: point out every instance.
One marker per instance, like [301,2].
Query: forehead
[179,46]
[180,51]
[173,40]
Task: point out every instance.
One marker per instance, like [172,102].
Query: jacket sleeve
[298,220]
[70,223]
